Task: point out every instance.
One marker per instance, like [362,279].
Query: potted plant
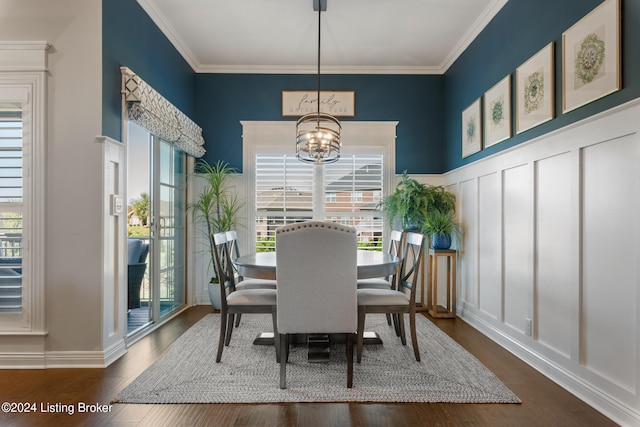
[441,226]
[412,202]
[215,209]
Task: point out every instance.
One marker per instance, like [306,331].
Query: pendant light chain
[318,134]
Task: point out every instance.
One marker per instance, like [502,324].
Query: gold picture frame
[591,57]
[471,129]
[535,90]
[497,112]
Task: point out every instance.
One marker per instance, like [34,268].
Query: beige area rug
[248,373]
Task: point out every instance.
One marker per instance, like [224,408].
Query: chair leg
[223,330]
[276,335]
[396,323]
[229,329]
[388,319]
[361,315]
[403,336]
[283,360]
[349,360]
[414,336]
[238,319]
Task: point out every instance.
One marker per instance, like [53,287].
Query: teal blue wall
[521,29]
[222,100]
[428,108]
[130,38]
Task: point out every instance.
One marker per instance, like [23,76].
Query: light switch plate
[117,205]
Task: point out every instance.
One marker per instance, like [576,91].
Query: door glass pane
[171,231]
[139,292]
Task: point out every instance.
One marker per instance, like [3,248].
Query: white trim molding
[114,252]
[23,67]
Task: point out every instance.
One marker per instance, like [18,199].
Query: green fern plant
[412,202]
[441,223]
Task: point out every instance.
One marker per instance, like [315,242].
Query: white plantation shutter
[10,213]
[352,191]
[286,191]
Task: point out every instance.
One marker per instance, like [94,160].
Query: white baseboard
[85,359]
[613,409]
[22,361]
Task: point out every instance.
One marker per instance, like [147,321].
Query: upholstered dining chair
[395,243]
[244,282]
[317,274]
[399,301]
[234,301]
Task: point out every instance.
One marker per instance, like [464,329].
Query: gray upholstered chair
[234,301]
[396,302]
[137,251]
[317,274]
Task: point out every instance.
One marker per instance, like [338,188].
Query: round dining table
[262,265]
[370,264]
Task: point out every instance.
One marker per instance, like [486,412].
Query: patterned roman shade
[152,111]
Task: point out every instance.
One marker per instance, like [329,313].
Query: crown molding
[309,69]
[167,29]
[483,20]
[22,56]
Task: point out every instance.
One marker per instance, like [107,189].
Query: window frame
[23,81]
[277,137]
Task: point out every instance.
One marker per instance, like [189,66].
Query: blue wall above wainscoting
[517,32]
[427,107]
[223,100]
[130,38]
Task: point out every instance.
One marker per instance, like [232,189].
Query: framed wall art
[591,57]
[339,103]
[534,90]
[471,129]
[497,112]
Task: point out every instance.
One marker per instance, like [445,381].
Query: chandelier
[318,134]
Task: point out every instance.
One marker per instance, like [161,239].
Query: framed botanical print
[471,129]
[534,90]
[591,56]
[497,112]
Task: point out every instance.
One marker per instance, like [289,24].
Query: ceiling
[358,36]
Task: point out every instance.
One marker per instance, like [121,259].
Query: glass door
[156,188]
[168,228]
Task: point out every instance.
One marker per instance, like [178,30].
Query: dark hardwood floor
[544,403]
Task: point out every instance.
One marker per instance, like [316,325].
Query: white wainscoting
[549,261]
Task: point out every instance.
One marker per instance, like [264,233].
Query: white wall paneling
[468,249]
[609,305]
[114,226]
[489,246]
[551,234]
[553,186]
[517,246]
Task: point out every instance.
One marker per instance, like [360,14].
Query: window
[11,209]
[22,192]
[284,190]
